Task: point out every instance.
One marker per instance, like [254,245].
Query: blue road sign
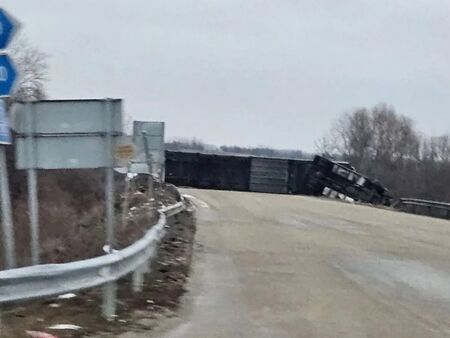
[8,75]
[7,28]
[5,133]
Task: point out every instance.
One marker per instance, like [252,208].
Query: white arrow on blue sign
[8,75]
[8,27]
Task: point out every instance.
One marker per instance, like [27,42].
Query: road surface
[292,266]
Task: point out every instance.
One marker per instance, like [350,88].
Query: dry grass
[72,210]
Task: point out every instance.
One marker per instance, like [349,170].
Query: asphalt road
[292,266]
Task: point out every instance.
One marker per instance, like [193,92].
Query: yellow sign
[124,152]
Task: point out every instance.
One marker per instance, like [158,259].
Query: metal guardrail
[42,281]
[424,207]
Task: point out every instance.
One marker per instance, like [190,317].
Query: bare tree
[440,147]
[33,71]
[394,135]
[379,142]
[350,138]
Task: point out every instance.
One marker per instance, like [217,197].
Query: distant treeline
[378,142]
[199,146]
[386,145]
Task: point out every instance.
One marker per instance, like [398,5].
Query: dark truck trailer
[223,172]
[208,171]
[182,168]
[298,171]
[236,172]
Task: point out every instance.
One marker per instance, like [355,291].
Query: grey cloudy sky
[248,72]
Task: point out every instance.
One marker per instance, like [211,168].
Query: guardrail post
[109,300]
[138,279]
[148,264]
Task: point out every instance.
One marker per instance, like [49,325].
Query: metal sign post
[32,189]
[7,223]
[8,74]
[109,173]
[109,289]
[148,157]
[123,153]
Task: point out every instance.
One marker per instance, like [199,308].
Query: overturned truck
[336,180]
[319,176]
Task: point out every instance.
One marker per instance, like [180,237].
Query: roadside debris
[65,327]
[67,296]
[38,334]
[107,249]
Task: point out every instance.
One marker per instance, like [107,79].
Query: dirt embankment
[72,213]
[164,286]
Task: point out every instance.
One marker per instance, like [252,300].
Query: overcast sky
[248,72]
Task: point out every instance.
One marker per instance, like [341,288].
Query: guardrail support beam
[138,279]
[109,300]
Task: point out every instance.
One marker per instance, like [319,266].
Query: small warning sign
[124,152]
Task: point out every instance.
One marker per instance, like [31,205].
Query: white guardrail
[48,280]
[424,207]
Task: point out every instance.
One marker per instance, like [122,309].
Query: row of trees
[387,146]
[199,146]
[378,142]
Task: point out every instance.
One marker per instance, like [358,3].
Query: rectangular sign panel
[154,134]
[62,153]
[70,134]
[69,116]
[153,131]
